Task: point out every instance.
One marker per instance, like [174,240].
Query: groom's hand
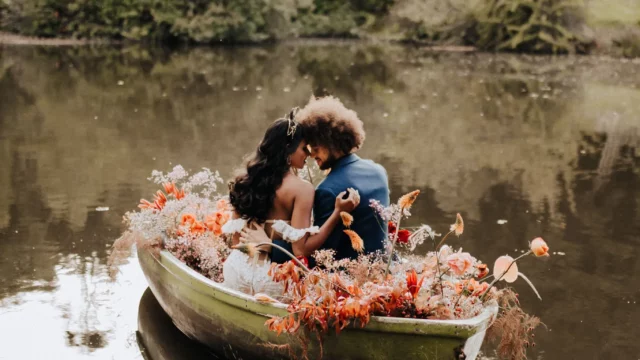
[350,203]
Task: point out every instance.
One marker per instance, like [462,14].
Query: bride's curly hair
[252,192]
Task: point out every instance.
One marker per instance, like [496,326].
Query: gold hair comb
[293,125]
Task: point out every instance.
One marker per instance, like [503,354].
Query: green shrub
[201,21]
[537,26]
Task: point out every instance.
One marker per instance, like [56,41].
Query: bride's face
[299,156]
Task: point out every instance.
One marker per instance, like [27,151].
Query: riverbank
[14,39]
[589,27]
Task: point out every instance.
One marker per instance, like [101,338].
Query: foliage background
[532,26]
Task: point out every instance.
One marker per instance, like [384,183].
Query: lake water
[551,145]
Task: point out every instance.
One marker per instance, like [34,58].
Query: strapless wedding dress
[250,275]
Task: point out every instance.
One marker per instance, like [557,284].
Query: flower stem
[293,257]
[443,239]
[503,274]
[393,244]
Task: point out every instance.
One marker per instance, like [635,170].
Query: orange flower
[160,198]
[216,220]
[460,287]
[197,227]
[145,204]
[458,227]
[500,269]
[413,284]
[480,288]
[169,187]
[188,219]
[179,194]
[539,247]
[407,200]
[483,270]
[347,219]
[356,241]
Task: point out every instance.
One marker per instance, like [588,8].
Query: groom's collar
[347,159]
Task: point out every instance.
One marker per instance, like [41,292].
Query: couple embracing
[272,204]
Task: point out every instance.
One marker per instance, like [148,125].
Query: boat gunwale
[377,323]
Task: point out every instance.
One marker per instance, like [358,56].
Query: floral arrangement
[443,284]
[186,219]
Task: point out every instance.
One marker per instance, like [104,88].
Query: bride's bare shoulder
[297,185]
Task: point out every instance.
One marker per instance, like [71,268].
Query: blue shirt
[370,179]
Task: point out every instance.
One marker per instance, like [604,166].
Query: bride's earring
[289,160]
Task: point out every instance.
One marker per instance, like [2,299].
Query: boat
[233,323]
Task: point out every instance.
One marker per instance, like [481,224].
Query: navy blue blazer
[370,179]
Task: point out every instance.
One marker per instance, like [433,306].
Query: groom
[334,134]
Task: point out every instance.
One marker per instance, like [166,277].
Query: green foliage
[200,21]
[628,45]
[539,26]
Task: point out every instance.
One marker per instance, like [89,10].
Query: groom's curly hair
[327,122]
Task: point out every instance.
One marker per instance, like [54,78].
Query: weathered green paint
[233,322]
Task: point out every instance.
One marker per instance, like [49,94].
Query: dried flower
[458,227]
[187,219]
[483,270]
[223,204]
[169,187]
[197,228]
[500,269]
[407,200]
[347,219]
[413,285]
[539,247]
[460,262]
[264,298]
[145,204]
[179,194]
[249,249]
[356,241]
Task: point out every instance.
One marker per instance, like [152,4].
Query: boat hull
[232,323]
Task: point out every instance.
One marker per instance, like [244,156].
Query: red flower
[391,227]
[403,236]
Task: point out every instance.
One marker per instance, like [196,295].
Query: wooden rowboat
[232,323]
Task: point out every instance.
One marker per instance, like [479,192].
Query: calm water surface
[551,145]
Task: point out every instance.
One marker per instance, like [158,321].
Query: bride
[269,196]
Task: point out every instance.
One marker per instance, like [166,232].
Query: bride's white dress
[249,275]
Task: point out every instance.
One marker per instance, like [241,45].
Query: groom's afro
[327,122]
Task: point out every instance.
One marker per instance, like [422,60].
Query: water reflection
[552,145]
[159,339]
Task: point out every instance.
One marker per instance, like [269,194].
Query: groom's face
[323,156]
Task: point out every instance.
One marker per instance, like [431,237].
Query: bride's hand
[255,234]
[350,203]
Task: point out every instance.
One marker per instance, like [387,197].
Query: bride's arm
[301,219]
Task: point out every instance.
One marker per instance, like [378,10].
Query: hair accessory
[293,125]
